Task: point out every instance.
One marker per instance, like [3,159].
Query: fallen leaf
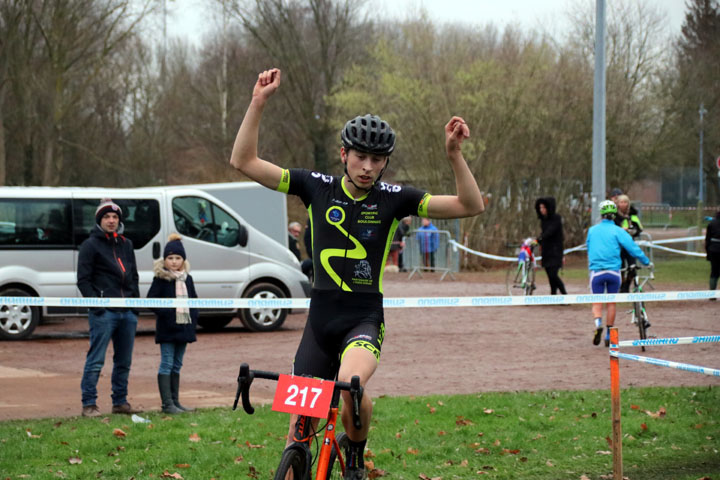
[462,421]
[412,451]
[699,426]
[464,463]
[239,459]
[376,473]
[603,452]
[584,477]
[75,460]
[369,465]
[182,465]
[484,450]
[643,426]
[549,463]
[250,445]
[496,442]
[441,433]
[632,407]
[167,474]
[511,452]
[369,454]
[252,472]
[194,437]
[119,433]
[609,441]
[398,435]
[488,410]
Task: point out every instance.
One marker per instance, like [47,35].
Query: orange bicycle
[308,398]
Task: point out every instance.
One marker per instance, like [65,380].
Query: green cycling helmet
[608,207]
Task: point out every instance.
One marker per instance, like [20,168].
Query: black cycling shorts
[337,322]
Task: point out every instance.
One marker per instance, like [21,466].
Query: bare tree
[314,42]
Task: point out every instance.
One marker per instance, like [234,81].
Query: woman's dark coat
[712,237]
[167,330]
[551,237]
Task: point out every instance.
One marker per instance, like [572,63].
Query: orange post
[615,396]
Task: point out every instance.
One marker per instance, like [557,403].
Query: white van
[41,229]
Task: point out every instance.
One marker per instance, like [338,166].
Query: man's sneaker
[124,409]
[647,325]
[91,411]
[598,336]
[355,474]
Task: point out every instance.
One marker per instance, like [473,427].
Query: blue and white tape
[667,363]
[399,302]
[659,342]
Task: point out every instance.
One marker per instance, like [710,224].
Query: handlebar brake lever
[245,379]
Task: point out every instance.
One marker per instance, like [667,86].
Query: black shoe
[598,335]
[647,325]
[124,409]
[355,474]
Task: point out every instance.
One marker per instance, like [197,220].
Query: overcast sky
[191,19]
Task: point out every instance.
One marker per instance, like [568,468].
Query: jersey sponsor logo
[322,176]
[340,202]
[361,337]
[367,346]
[362,270]
[386,187]
[335,215]
[373,206]
[368,233]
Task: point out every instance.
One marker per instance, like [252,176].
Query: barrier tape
[406,302]
[658,342]
[667,363]
[654,244]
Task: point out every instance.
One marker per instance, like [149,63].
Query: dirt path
[431,350]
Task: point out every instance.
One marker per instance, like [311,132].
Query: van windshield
[200,218]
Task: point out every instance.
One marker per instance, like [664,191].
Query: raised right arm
[244,155]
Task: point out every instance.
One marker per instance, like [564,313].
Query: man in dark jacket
[551,242]
[106,268]
[712,248]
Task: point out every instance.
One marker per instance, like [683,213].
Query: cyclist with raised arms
[353,219]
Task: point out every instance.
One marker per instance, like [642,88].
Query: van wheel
[212,324]
[17,322]
[263,319]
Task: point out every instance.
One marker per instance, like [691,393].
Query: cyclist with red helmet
[353,218]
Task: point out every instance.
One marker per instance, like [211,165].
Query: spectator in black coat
[107,268]
[712,248]
[551,242]
[174,327]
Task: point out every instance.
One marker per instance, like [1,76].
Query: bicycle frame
[304,431]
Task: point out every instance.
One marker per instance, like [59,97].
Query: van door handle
[156,250]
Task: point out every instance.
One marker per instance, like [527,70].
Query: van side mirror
[156,250]
[242,235]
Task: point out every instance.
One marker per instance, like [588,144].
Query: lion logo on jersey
[362,269]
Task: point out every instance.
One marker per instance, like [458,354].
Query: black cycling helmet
[368,134]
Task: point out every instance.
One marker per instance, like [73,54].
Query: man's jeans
[171,357]
[120,328]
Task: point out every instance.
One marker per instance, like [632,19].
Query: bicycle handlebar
[246,377]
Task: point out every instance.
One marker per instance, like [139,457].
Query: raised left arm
[468,200]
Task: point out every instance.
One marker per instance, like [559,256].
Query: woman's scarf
[182,314]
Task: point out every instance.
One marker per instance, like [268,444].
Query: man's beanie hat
[615,192]
[107,206]
[174,246]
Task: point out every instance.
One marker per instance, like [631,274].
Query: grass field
[669,433]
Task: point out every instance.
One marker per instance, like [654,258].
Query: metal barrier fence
[430,251]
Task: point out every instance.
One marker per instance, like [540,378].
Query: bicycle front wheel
[294,460]
[530,281]
[642,322]
[514,279]
[335,469]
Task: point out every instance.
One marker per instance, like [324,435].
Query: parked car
[41,229]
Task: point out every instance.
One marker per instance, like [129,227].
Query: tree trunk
[3,159]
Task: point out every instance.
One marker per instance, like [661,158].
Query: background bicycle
[520,276]
[639,313]
[309,398]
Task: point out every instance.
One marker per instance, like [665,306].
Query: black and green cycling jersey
[351,237]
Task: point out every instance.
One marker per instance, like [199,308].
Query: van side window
[141,219]
[35,223]
[200,218]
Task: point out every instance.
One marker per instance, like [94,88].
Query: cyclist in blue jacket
[604,242]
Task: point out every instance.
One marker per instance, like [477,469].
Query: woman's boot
[175,389]
[166,395]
